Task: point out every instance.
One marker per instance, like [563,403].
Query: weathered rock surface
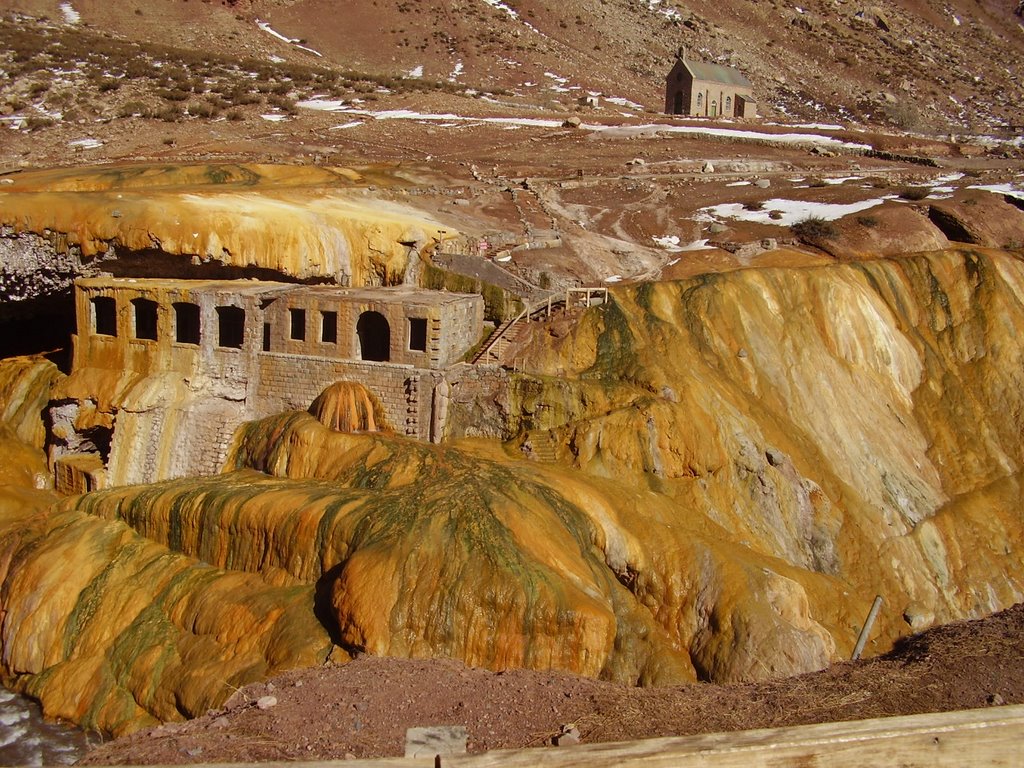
[979,218]
[302,223]
[110,630]
[34,266]
[735,465]
[890,229]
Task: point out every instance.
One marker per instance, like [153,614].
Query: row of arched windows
[372,328]
[728,102]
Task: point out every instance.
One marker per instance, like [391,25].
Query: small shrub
[172,113]
[133,109]
[202,109]
[36,122]
[235,115]
[753,205]
[284,104]
[915,193]
[867,221]
[814,228]
[174,94]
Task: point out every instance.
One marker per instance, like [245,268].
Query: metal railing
[570,299]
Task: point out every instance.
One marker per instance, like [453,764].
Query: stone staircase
[542,448]
[494,350]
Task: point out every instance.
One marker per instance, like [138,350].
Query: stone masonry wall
[292,382]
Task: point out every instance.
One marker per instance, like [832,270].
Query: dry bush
[814,228]
[915,193]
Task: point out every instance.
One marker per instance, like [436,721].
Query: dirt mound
[364,708]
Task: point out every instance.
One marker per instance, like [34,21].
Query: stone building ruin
[708,90]
[164,371]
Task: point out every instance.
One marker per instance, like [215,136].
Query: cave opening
[374,337]
[40,326]
[950,226]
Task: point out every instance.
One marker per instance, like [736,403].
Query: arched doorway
[374,337]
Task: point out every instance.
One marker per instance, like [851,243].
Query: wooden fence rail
[976,737]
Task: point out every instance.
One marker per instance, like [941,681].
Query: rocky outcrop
[979,218]
[130,633]
[34,266]
[890,229]
[872,406]
[303,223]
[725,471]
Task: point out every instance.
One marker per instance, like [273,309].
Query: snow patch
[88,143]
[790,211]
[265,26]
[275,118]
[71,16]
[502,7]
[738,184]
[406,114]
[457,71]
[656,6]
[1010,190]
[668,241]
[296,41]
[621,102]
[613,279]
[735,133]
[416,71]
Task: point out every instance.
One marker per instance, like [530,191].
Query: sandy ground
[363,709]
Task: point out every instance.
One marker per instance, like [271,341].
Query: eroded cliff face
[109,629]
[306,223]
[859,420]
[734,465]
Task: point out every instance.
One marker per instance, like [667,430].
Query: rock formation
[735,465]
[253,219]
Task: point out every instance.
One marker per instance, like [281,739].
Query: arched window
[230,327]
[728,104]
[145,318]
[374,337]
[186,323]
[700,100]
[104,316]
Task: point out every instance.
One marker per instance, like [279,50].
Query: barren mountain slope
[921,64]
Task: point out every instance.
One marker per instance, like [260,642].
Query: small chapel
[698,89]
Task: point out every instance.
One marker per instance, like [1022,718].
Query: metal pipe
[866,629]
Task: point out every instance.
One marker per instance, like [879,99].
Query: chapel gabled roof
[716,73]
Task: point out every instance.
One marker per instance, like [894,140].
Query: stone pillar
[439,411]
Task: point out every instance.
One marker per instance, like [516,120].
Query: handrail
[544,305]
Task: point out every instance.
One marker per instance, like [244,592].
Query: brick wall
[292,382]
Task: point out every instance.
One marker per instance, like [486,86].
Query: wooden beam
[974,737]
[989,737]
